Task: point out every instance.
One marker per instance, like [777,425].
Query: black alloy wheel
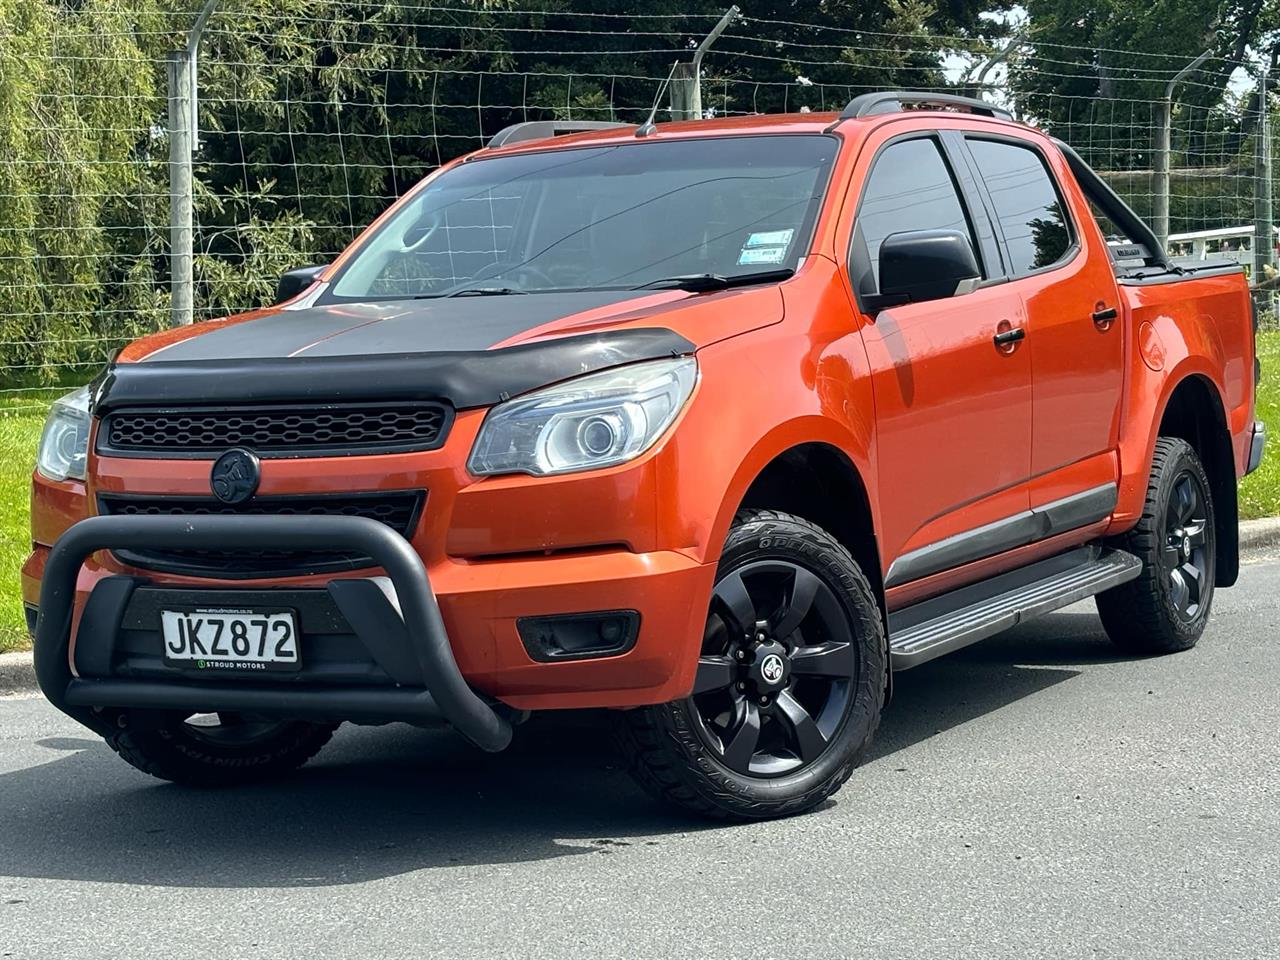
[789,682]
[1186,541]
[777,669]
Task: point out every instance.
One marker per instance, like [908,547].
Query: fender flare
[788,435]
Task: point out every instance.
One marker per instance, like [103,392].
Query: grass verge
[1260,491]
[21,419]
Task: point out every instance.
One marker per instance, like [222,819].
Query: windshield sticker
[769,247]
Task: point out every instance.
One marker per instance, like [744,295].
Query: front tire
[1165,609]
[790,683]
[216,750]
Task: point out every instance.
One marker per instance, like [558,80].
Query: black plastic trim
[1177,274]
[367,606]
[359,704]
[33,614]
[319,564]
[893,101]
[531,630]
[1019,530]
[1257,446]
[467,379]
[1079,509]
[105,448]
[977,201]
[444,688]
[103,616]
[984,541]
[298,280]
[966,194]
[546,129]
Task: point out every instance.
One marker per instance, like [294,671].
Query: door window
[1027,204]
[910,188]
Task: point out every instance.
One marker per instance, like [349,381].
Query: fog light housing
[578,636]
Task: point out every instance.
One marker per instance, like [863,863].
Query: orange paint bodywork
[945,432]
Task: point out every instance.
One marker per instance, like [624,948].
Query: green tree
[1096,69]
[315,114]
[77,105]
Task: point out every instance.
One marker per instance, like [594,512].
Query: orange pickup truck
[714,424]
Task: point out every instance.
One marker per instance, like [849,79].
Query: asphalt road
[1034,796]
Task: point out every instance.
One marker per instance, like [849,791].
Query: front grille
[399,510]
[276,431]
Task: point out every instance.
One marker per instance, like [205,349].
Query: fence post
[1160,202]
[1263,211]
[183,131]
[181,252]
[1163,149]
[686,78]
[685,92]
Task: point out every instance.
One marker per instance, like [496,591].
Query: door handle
[1006,340]
[1103,317]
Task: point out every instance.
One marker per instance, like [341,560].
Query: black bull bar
[443,693]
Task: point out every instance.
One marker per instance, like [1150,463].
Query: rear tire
[232,751]
[1165,609]
[791,681]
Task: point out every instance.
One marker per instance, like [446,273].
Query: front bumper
[430,686]
[1257,445]
[356,652]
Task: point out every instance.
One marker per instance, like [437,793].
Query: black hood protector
[431,325]
[464,378]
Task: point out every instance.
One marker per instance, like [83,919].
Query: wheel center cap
[770,668]
[1186,548]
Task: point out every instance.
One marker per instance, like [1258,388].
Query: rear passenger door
[1063,275]
[953,408]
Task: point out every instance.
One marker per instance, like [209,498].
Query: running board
[931,628]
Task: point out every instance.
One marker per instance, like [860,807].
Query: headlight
[64,444]
[584,424]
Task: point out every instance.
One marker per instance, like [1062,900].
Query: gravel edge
[17,675]
[1259,535]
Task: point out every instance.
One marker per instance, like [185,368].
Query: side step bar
[931,628]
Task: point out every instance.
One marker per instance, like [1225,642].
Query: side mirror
[293,282]
[919,265]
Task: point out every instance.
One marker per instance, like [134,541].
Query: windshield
[599,217]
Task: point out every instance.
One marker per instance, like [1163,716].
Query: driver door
[953,407]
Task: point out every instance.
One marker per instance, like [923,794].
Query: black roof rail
[894,101]
[544,129]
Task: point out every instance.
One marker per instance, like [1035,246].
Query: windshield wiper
[486,292]
[702,282]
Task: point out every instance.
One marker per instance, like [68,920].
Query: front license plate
[232,640]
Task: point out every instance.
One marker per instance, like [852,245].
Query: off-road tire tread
[144,749]
[658,762]
[1135,614]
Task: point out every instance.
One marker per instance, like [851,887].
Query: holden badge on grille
[235,476]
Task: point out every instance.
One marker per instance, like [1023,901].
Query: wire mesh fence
[314,115]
